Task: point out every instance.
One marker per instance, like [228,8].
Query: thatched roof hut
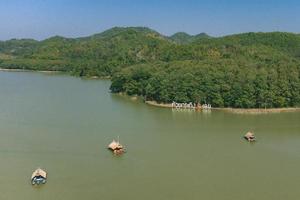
[39,172]
[115,145]
[250,137]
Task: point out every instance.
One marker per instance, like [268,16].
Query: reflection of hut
[116,147]
[250,137]
[39,176]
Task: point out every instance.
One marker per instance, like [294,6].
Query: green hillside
[243,70]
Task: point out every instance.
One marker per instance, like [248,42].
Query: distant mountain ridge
[125,46]
[185,38]
[180,37]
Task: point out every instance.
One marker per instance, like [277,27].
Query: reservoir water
[64,124]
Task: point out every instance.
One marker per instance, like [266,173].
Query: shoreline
[27,70]
[54,72]
[236,110]
[165,105]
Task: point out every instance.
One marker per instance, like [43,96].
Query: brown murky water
[63,124]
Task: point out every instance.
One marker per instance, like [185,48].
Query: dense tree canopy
[244,70]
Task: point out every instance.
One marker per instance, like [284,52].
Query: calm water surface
[63,124]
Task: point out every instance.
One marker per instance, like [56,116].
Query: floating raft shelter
[116,147]
[250,137]
[38,177]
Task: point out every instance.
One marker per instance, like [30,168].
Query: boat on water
[38,177]
[250,137]
[116,147]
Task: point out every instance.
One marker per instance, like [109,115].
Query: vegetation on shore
[250,70]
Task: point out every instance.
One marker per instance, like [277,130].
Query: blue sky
[40,19]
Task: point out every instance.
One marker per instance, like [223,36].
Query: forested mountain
[244,70]
[184,38]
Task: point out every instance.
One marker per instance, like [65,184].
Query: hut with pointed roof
[249,136]
[38,177]
[116,147]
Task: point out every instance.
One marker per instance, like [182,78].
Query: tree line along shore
[249,70]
